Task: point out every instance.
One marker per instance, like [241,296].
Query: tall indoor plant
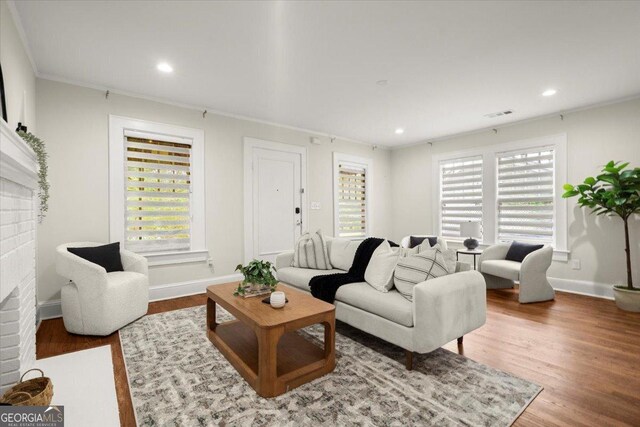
[615,192]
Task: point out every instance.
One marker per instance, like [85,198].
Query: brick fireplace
[18,202]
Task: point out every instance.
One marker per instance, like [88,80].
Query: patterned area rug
[178,378]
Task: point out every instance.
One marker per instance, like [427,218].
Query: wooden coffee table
[262,344]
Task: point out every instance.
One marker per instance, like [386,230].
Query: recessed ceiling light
[549,92]
[164,67]
[382,82]
[399,131]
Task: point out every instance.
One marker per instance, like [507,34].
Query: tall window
[460,193]
[156,190]
[352,183]
[525,195]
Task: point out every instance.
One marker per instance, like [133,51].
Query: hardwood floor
[584,351]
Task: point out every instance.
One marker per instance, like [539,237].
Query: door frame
[249,144]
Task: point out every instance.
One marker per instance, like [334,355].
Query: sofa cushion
[417,268]
[449,256]
[342,252]
[311,252]
[502,268]
[391,305]
[300,277]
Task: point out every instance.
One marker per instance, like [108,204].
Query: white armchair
[404,243]
[95,302]
[531,273]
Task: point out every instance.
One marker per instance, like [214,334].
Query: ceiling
[314,65]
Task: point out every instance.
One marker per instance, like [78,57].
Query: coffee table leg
[211,314]
[268,361]
[330,341]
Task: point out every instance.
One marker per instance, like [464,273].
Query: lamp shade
[470,229]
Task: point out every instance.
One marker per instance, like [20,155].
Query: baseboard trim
[53,308]
[582,287]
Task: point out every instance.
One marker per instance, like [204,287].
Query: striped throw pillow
[417,268]
[311,252]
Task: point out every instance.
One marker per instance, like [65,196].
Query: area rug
[178,378]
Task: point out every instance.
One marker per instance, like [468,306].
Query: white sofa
[442,309]
[95,302]
[531,273]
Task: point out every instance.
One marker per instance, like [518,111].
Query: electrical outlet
[315,206]
[575,264]
[210,264]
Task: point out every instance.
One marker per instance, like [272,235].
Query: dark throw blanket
[325,287]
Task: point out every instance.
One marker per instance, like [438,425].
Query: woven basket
[33,392]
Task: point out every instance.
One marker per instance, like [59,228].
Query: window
[157,190]
[510,188]
[352,184]
[526,195]
[460,193]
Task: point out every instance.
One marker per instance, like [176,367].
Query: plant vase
[627,299]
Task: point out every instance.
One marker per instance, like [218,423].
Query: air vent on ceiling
[498,114]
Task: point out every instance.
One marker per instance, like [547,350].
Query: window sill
[181,257]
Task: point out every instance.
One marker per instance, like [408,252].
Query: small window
[352,181]
[460,194]
[526,195]
[158,193]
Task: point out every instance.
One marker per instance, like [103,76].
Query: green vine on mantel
[37,145]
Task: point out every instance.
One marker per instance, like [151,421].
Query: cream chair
[531,273]
[404,243]
[95,302]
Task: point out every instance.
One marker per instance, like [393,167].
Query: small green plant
[257,272]
[37,145]
[615,192]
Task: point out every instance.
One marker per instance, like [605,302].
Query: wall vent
[498,114]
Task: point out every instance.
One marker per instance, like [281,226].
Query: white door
[276,199]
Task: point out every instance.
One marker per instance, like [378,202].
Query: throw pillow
[311,252]
[415,241]
[518,251]
[416,269]
[379,273]
[342,252]
[106,256]
[449,256]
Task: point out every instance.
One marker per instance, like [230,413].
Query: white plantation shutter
[460,193]
[526,196]
[157,193]
[352,200]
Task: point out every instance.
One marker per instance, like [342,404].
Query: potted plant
[258,278]
[615,192]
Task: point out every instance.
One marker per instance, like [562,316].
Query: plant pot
[627,300]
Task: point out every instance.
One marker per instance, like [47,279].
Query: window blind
[157,194]
[460,193]
[525,196]
[352,200]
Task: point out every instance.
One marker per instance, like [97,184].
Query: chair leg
[409,360]
[460,340]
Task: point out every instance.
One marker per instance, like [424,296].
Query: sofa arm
[133,262]
[446,308]
[537,261]
[285,259]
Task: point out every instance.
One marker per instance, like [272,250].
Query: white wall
[19,77]
[595,136]
[73,121]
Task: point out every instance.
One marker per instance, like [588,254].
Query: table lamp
[470,229]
